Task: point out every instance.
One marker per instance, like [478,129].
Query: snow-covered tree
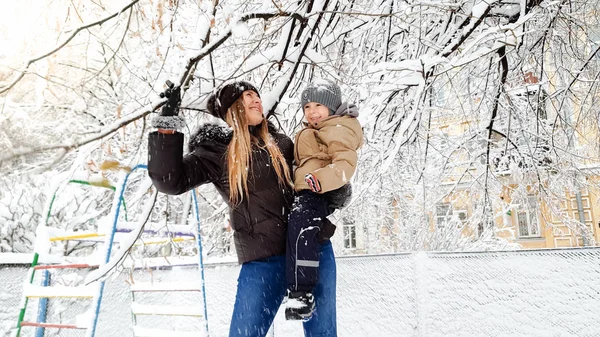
[79,80]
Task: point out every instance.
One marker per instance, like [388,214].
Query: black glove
[338,199]
[173,93]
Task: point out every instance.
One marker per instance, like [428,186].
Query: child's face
[253,107]
[315,112]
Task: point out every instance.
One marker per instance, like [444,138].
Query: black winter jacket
[260,221]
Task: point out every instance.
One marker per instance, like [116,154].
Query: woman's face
[253,107]
[315,112]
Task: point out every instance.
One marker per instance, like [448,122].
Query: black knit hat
[220,100]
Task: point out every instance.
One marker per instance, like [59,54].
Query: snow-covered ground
[523,293]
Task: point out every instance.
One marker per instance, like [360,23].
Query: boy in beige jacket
[325,159]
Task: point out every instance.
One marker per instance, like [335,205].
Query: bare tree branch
[298,61]
[499,91]
[67,147]
[455,44]
[187,73]
[72,146]
[59,47]
[116,49]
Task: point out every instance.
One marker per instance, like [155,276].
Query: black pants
[307,216]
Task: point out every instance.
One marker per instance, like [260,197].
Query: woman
[250,165]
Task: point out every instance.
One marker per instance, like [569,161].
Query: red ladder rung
[65,266]
[51,325]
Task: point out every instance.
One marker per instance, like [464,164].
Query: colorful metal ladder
[93,291]
[139,309]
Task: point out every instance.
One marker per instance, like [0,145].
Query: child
[325,156]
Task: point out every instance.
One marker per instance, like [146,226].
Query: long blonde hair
[239,153]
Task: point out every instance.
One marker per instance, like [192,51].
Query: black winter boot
[300,305]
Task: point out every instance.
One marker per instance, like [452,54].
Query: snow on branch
[206,50]
[478,13]
[59,47]
[69,146]
[502,36]
[283,86]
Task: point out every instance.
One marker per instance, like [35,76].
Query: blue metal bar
[110,243]
[199,239]
[43,306]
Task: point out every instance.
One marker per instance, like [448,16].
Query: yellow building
[556,209]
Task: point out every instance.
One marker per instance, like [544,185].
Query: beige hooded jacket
[328,151]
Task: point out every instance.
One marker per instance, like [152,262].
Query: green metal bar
[50,208]
[22,311]
[84,182]
[36,255]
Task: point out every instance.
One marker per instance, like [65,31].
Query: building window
[476,149]
[593,32]
[440,97]
[527,218]
[437,96]
[480,230]
[444,138]
[462,215]
[349,234]
[443,213]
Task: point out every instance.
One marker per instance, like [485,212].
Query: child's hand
[312,182]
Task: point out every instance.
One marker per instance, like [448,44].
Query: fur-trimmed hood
[217,134]
[210,133]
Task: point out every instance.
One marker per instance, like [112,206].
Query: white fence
[521,293]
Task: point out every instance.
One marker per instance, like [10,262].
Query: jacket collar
[215,133]
[322,123]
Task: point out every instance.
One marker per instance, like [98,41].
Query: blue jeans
[262,287]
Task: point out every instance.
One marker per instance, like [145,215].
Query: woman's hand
[168,119]
[173,93]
